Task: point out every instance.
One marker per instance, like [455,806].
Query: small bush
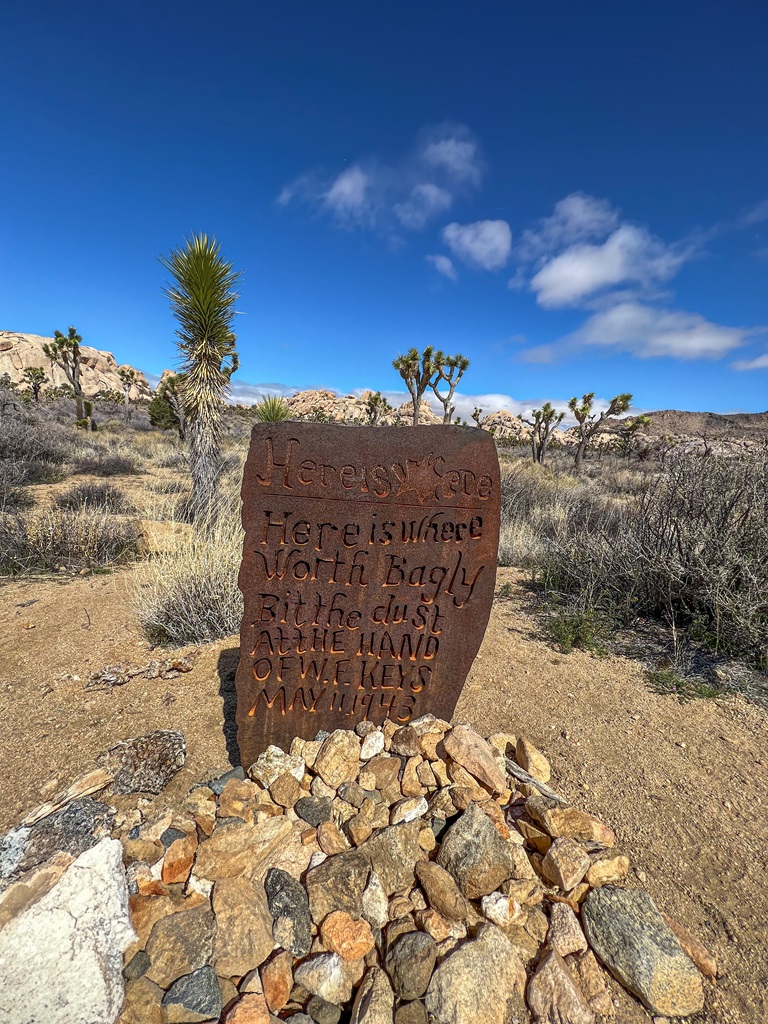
[171,485]
[108,464]
[103,496]
[46,540]
[585,630]
[669,682]
[173,459]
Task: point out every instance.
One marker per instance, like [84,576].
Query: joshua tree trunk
[204,464]
[580,454]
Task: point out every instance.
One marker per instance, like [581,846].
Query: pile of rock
[388,875]
[394,875]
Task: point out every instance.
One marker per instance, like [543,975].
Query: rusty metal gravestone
[368,572]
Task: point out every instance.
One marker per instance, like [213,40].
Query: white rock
[502,910]
[408,810]
[374,906]
[373,745]
[61,960]
[273,763]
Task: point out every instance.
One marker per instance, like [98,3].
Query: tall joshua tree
[128,378]
[543,423]
[35,378]
[589,423]
[449,369]
[64,352]
[417,371]
[202,296]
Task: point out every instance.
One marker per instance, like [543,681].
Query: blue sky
[573,196]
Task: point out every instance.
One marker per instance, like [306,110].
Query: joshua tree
[271,409]
[629,429]
[64,352]
[35,378]
[417,371]
[543,423]
[376,407]
[449,369]
[589,423]
[203,296]
[477,412]
[128,378]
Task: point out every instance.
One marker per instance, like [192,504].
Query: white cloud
[648,332]
[241,393]
[400,195]
[443,265]
[425,202]
[760,363]
[347,197]
[484,244]
[629,254]
[576,218]
[458,156]
[756,214]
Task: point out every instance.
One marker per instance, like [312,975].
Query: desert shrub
[187,592]
[169,485]
[585,629]
[88,495]
[691,546]
[174,458]
[668,681]
[106,463]
[47,539]
[34,440]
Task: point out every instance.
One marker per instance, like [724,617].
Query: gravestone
[368,572]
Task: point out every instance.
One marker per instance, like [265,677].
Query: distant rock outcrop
[505,425]
[99,369]
[323,404]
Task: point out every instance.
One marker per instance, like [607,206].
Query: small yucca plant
[271,409]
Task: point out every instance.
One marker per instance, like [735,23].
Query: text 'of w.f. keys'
[368,572]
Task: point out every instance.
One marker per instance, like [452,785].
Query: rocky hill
[712,425]
[19,351]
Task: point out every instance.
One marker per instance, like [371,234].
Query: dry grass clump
[187,592]
[95,495]
[106,463]
[49,539]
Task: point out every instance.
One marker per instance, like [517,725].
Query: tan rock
[565,863]
[568,821]
[410,784]
[141,1003]
[351,938]
[179,944]
[272,763]
[476,755]
[178,860]
[607,870]
[592,981]
[532,760]
[384,769]
[330,839]
[435,924]
[201,804]
[238,800]
[249,1009]
[565,935]
[359,829]
[243,926]
[32,887]
[149,851]
[554,996]
[277,980]
[240,849]
[339,758]
[285,790]
[693,948]
[427,840]
[503,743]
[441,891]
[538,839]
[408,809]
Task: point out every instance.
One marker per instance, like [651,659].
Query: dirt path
[684,785]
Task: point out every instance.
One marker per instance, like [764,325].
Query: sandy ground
[684,785]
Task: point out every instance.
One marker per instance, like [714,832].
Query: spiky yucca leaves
[543,423]
[64,352]
[589,423]
[416,369]
[203,300]
[271,409]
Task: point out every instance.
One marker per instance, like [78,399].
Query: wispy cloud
[756,214]
[485,244]
[759,363]
[576,218]
[443,265]
[647,332]
[402,195]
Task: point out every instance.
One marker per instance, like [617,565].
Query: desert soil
[685,786]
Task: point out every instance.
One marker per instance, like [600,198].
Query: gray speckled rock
[475,854]
[289,907]
[195,997]
[410,963]
[629,935]
[147,763]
